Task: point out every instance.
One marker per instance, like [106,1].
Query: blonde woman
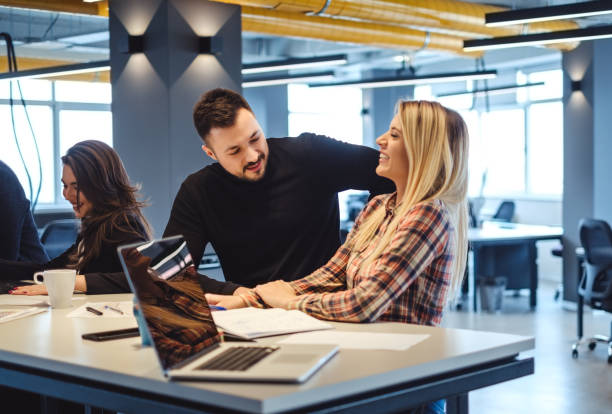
[405,256]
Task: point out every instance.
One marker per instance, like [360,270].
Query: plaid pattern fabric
[408,282]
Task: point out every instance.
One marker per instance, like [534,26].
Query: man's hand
[277,294]
[225,301]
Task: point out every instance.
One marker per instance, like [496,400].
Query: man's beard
[262,169]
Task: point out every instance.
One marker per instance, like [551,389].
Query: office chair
[505,211]
[595,287]
[58,235]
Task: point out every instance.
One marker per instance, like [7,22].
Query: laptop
[173,309]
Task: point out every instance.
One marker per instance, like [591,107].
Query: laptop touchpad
[286,358]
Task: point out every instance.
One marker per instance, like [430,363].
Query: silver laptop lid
[170,299]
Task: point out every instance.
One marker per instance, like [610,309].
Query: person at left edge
[96,184]
[19,238]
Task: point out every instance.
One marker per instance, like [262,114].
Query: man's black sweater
[283,226]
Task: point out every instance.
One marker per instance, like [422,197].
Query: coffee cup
[59,284]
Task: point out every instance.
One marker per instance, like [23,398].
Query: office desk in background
[509,249]
[45,354]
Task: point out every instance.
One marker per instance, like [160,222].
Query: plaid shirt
[408,282]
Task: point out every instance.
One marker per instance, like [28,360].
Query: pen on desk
[113,309]
[94,311]
[214,307]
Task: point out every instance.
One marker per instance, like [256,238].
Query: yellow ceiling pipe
[68,6]
[24,63]
[339,30]
[446,16]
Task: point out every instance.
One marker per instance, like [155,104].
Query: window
[331,111]
[545,157]
[41,119]
[516,149]
[503,133]
[81,111]
[94,92]
[76,126]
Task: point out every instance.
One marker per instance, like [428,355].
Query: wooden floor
[560,384]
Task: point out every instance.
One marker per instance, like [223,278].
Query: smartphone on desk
[110,335]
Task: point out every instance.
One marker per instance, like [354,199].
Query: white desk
[509,249]
[45,354]
[492,232]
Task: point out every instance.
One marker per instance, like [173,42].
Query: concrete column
[271,107]
[154,91]
[587,146]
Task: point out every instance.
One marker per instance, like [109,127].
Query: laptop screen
[170,299]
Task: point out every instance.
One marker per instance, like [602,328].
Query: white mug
[59,284]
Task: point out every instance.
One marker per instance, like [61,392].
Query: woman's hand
[30,290]
[225,301]
[80,285]
[277,294]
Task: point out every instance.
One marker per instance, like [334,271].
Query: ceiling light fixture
[574,35]
[297,63]
[542,14]
[499,90]
[414,80]
[282,80]
[96,66]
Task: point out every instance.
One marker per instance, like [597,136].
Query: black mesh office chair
[58,235]
[595,287]
[505,211]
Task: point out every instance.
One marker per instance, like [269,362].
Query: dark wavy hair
[101,177]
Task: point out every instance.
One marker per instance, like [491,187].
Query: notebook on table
[176,316]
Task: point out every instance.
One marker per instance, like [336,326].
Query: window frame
[56,107]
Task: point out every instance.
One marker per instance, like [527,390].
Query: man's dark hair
[217,108]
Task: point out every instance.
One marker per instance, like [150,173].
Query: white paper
[255,322]
[12,314]
[26,300]
[126,307]
[23,300]
[357,340]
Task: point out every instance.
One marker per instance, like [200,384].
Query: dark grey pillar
[587,147]
[379,109]
[154,92]
[271,107]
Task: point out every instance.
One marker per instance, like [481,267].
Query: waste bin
[492,292]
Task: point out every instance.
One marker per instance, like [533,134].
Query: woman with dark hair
[97,185]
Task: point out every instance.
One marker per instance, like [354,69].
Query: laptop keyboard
[238,358]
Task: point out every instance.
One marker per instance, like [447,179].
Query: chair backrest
[472,216]
[58,235]
[505,211]
[596,283]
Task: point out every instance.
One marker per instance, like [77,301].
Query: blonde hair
[436,143]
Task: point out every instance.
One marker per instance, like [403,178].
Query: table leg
[533,274]
[49,405]
[457,404]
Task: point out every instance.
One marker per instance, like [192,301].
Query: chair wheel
[574,353]
[592,345]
